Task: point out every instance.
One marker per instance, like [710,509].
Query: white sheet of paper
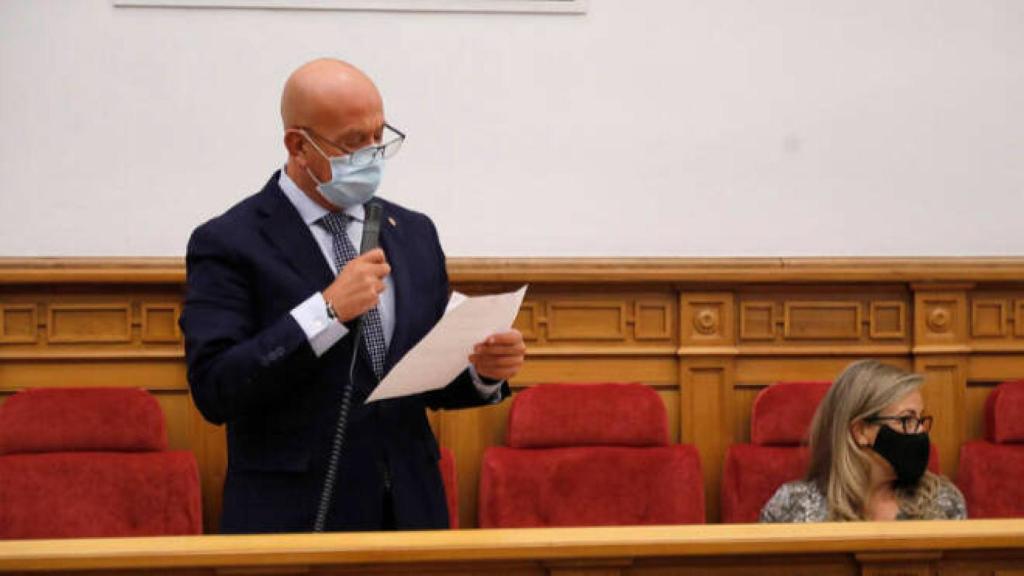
[442,354]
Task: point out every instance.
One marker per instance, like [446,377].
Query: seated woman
[869,455]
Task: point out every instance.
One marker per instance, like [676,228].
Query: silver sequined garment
[801,501]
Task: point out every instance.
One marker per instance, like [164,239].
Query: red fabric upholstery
[753,473]
[991,470]
[554,415]
[782,413]
[1004,413]
[81,419]
[90,463]
[94,494]
[590,486]
[990,478]
[451,485]
[610,465]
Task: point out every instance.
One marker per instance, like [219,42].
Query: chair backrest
[92,462]
[607,414]
[587,455]
[81,420]
[1004,413]
[782,413]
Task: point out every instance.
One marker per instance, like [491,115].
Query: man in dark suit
[275,286]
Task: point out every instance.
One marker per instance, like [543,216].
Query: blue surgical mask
[350,185]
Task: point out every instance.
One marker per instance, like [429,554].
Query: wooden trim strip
[64,354]
[522,544]
[168,270]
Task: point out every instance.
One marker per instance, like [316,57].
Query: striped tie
[373,334]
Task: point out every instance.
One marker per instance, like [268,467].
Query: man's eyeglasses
[392,139]
[908,424]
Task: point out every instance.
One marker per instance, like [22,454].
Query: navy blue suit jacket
[251,367]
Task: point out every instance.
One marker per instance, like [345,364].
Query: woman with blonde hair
[869,455]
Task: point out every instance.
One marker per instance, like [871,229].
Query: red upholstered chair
[589,455]
[451,485]
[991,470]
[92,462]
[780,421]
[777,453]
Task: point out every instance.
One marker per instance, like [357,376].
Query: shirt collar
[309,210]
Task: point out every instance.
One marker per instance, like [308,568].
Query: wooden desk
[993,547]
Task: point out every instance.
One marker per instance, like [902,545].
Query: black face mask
[907,453]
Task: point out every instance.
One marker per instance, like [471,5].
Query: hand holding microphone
[358,287]
[360,283]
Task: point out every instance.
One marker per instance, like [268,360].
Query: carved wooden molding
[546,270]
[940,318]
[18,323]
[888,320]
[87,323]
[757,321]
[160,322]
[822,320]
[586,320]
[706,318]
[988,318]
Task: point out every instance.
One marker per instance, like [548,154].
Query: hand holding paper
[443,353]
[500,356]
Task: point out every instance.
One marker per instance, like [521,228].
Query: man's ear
[295,144]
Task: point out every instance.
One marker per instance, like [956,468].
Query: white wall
[643,128]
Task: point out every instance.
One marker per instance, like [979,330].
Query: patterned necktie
[344,251]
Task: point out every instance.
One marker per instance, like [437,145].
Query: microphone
[371,228]
[370,240]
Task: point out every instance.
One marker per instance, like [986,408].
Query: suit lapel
[392,241]
[285,230]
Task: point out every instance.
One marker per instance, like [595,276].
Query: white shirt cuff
[321,330]
[487,391]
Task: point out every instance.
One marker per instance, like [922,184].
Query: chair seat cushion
[96,494]
[590,486]
[990,477]
[753,473]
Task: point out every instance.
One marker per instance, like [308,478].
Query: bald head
[325,94]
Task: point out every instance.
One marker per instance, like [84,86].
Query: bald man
[275,289]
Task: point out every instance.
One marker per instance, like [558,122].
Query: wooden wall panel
[708,335]
[706,390]
[945,392]
[974,407]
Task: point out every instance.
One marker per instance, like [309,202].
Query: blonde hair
[839,467]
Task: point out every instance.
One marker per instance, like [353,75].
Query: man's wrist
[331,313]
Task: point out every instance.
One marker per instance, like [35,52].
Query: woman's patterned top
[802,501]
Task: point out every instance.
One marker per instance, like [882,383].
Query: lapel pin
[391,220]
